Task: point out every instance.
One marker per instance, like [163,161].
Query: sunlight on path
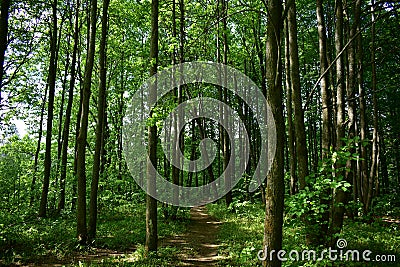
[197,246]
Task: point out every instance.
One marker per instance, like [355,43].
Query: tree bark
[64,149]
[325,93]
[289,107]
[275,180]
[151,203]
[36,161]
[373,175]
[101,102]
[50,111]
[326,115]
[4,9]
[339,196]
[83,129]
[300,132]
[226,146]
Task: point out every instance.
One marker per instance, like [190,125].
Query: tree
[83,129]
[275,180]
[4,9]
[101,102]
[340,196]
[66,129]
[151,203]
[50,110]
[300,133]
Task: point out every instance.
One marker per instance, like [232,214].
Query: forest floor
[197,246]
[209,235]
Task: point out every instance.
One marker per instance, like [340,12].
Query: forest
[199,133]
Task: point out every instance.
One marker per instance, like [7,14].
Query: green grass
[25,238]
[241,237]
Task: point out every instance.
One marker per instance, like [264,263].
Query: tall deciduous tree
[300,133]
[83,129]
[101,102]
[50,110]
[275,180]
[339,195]
[151,203]
[66,129]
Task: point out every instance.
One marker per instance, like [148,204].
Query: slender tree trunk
[60,137]
[50,111]
[100,123]
[275,181]
[226,146]
[339,195]
[64,149]
[325,93]
[363,163]
[351,96]
[300,132]
[4,9]
[176,141]
[289,107]
[373,175]
[384,168]
[40,133]
[151,203]
[326,115]
[82,137]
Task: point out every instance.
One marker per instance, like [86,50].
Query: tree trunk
[4,9]
[326,115]
[36,161]
[82,137]
[50,112]
[275,181]
[300,132]
[64,152]
[226,147]
[101,102]
[351,96]
[373,175]
[339,195]
[363,163]
[289,107]
[325,93]
[151,203]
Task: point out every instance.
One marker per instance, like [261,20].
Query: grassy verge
[241,237]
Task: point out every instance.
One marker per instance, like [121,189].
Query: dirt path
[197,246]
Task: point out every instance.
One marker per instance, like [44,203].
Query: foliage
[26,238]
[314,201]
[241,235]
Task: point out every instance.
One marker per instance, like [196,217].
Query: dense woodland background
[329,69]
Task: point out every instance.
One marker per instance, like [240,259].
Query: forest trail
[198,245]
